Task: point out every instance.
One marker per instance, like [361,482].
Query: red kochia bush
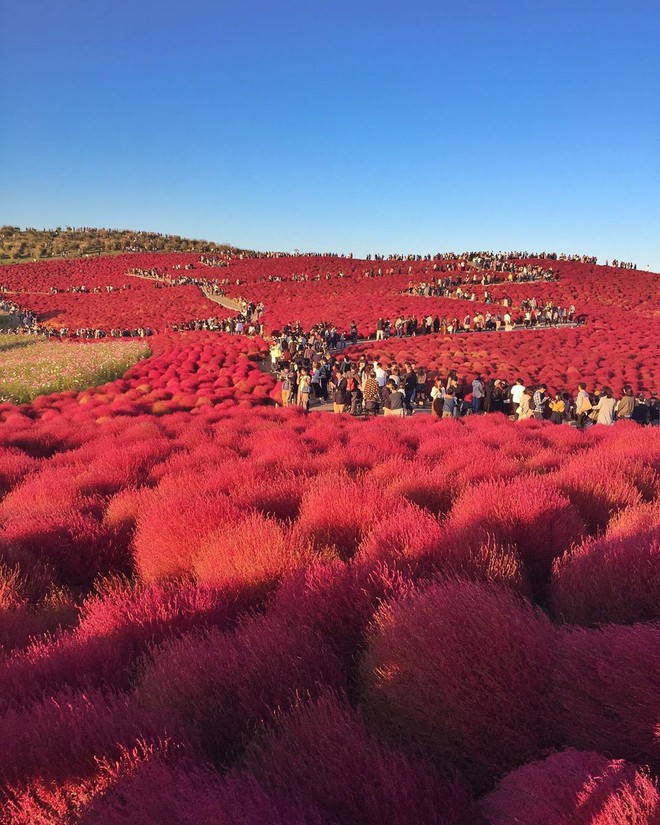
[605,691]
[338,511]
[45,802]
[574,788]
[461,671]
[159,792]
[22,622]
[600,483]
[273,495]
[222,685]
[252,553]
[526,513]
[14,465]
[171,527]
[609,579]
[424,485]
[77,546]
[322,756]
[634,521]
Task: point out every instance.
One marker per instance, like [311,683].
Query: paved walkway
[228,303]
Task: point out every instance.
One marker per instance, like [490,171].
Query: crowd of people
[622,264]
[313,375]
[86,290]
[544,315]
[21,320]
[461,290]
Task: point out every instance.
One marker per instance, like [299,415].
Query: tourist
[371,393]
[604,409]
[525,409]
[540,401]
[582,405]
[477,394]
[394,404]
[626,404]
[557,409]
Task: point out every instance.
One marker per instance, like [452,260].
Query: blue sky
[338,126]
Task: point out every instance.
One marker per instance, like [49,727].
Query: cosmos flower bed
[30,366]
[251,617]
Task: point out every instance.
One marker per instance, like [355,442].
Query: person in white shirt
[437,389]
[381,375]
[517,391]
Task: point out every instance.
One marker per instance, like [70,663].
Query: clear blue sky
[344,126]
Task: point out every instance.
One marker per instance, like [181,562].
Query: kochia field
[213,610]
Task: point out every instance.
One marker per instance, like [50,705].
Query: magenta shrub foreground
[460,672]
[574,788]
[324,755]
[215,611]
[237,566]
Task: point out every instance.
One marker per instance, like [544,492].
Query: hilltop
[18,244]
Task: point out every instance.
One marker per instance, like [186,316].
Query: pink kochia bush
[57,742]
[337,511]
[415,541]
[613,578]
[252,552]
[223,685]
[528,514]
[322,755]
[166,792]
[77,546]
[461,672]
[22,617]
[172,526]
[337,600]
[574,788]
[606,694]
[14,465]
[116,625]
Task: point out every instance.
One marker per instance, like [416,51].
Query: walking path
[223,300]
